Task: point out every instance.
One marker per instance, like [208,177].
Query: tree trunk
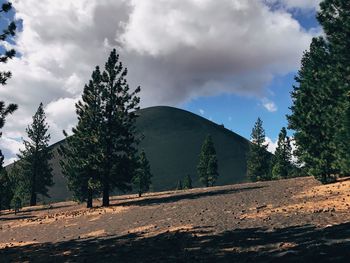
[33,198]
[89,199]
[140,193]
[105,197]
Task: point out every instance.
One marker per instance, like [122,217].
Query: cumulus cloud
[176,51]
[201,111]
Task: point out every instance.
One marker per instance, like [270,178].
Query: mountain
[172,142]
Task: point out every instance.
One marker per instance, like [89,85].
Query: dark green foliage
[118,132]
[102,155]
[7,33]
[258,161]
[208,165]
[187,182]
[319,99]
[19,185]
[142,178]
[34,159]
[6,192]
[343,140]
[179,185]
[283,156]
[82,154]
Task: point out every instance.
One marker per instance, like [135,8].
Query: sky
[230,61]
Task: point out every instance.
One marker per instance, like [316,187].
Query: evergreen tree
[82,153]
[208,166]
[282,166]
[119,135]
[319,100]
[187,182]
[5,54]
[6,192]
[19,186]
[258,161]
[34,159]
[142,179]
[343,140]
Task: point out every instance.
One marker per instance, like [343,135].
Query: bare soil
[294,220]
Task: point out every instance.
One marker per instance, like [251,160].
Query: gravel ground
[294,220]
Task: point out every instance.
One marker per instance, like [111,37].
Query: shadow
[26,210]
[292,244]
[182,196]
[16,217]
[47,207]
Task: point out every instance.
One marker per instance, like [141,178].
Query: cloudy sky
[229,60]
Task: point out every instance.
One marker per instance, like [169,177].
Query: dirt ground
[295,220]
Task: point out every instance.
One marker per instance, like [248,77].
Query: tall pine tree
[119,136]
[82,153]
[208,165]
[319,100]
[34,159]
[282,166]
[258,161]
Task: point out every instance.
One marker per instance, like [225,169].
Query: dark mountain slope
[172,142]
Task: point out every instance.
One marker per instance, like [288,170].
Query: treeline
[265,166]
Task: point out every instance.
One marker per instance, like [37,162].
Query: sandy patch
[16,244]
[97,233]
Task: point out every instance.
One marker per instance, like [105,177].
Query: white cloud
[269,105]
[201,111]
[10,160]
[183,50]
[11,145]
[272,145]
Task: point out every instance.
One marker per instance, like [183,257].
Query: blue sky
[239,113]
[230,61]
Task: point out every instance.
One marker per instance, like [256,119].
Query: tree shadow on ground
[292,244]
[183,196]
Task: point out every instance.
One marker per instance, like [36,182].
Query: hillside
[172,142]
[294,220]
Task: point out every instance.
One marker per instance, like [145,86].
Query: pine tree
[187,182]
[282,166]
[343,140]
[19,186]
[334,16]
[119,134]
[142,179]
[7,33]
[6,191]
[258,161]
[208,166]
[82,153]
[34,159]
[319,100]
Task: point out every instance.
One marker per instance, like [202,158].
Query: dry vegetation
[289,220]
